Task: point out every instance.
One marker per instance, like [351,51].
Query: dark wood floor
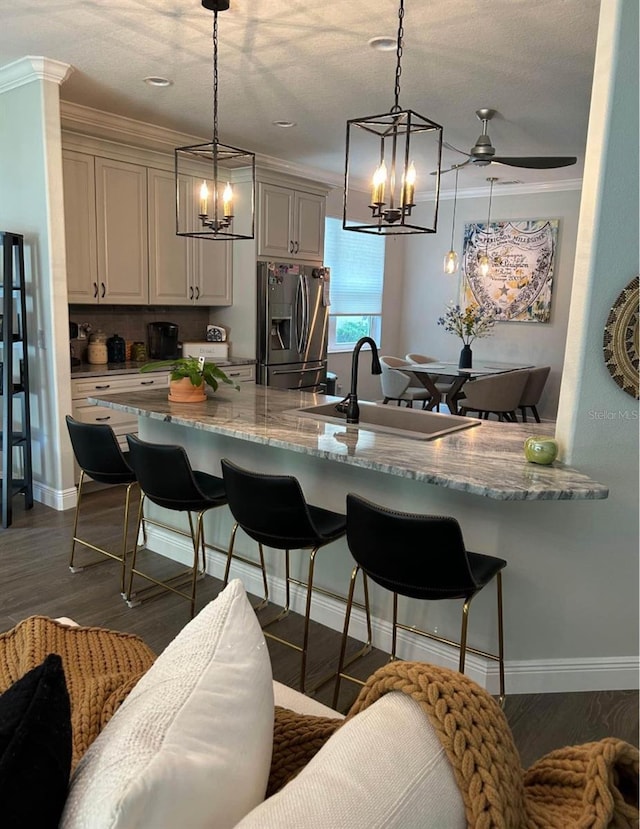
[35,579]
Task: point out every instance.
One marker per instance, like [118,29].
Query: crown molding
[96,123]
[519,189]
[32,68]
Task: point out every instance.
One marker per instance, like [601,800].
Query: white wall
[31,203]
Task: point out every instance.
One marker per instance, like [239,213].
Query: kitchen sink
[404,422]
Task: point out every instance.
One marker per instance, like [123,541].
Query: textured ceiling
[309,62]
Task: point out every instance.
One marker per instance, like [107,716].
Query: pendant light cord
[486,249]
[455,201]
[396,106]
[215,77]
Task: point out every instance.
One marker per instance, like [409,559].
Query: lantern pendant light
[484,263]
[208,206]
[395,152]
[451,261]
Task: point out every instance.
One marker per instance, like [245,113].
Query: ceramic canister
[97,350]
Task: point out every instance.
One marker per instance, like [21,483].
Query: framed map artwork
[519,283]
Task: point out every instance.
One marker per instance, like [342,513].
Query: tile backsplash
[130,321]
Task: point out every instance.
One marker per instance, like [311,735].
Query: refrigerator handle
[305,302]
[301,314]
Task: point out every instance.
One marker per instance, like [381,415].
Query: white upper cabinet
[80,227]
[290,223]
[121,219]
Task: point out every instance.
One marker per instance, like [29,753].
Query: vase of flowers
[469,324]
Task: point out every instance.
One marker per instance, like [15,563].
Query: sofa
[97,732]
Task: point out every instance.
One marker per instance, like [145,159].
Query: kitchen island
[538,518]
[487,460]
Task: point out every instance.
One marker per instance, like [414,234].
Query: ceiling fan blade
[452,168]
[533,163]
[455,149]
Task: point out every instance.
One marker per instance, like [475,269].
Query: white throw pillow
[384,769]
[191,745]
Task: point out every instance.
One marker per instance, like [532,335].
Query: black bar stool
[167,479]
[272,510]
[99,457]
[421,557]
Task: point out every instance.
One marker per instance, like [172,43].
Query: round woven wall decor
[621,351]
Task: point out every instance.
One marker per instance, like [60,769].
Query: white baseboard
[58,499]
[521,676]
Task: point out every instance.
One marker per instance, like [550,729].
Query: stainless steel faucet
[349,405]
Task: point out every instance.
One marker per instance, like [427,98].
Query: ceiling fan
[483,152]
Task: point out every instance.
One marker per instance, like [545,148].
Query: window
[357,271]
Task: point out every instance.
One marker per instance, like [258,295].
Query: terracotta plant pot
[182,391]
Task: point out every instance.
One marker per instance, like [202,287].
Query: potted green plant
[189,376]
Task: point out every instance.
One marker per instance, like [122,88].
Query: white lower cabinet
[122,423]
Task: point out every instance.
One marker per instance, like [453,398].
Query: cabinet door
[275,232]
[308,227]
[121,209]
[169,255]
[80,226]
[212,262]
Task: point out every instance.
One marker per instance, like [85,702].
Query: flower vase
[466,356]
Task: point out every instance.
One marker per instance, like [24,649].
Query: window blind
[357,269]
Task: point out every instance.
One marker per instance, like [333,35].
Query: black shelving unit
[15,429]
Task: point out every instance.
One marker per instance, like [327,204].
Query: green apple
[540,449]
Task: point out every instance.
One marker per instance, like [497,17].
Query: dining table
[427,374]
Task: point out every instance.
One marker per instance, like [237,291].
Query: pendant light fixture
[395,151]
[451,262]
[484,263]
[215,183]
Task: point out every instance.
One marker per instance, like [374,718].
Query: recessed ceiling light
[284,124]
[155,80]
[383,44]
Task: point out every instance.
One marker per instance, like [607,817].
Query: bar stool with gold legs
[272,510]
[100,458]
[420,557]
[167,480]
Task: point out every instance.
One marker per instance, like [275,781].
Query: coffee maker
[163,340]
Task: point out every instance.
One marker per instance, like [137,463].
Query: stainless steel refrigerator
[293,306]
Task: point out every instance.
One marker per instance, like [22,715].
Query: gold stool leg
[345,633]
[125,534]
[227,568]
[307,615]
[132,569]
[463,635]
[75,522]
[500,638]
[394,628]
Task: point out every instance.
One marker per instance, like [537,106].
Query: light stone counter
[486,460]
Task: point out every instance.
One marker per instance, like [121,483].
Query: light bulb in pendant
[484,264]
[379,181]
[451,262]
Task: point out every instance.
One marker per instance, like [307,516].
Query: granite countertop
[88,370]
[486,460]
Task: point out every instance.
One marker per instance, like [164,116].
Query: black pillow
[35,748]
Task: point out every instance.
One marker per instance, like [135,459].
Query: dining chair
[396,385]
[533,392]
[497,394]
[442,383]
[418,557]
[100,459]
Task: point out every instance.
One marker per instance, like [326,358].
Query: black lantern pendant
[403,148]
[215,183]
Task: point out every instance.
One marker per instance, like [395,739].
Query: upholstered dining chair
[396,385]
[443,384]
[533,392]
[497,394]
